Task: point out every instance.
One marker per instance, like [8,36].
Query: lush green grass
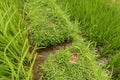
[15,60]
[48,24]
[58,67]
[99,22]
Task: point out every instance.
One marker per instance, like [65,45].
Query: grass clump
[48,24]
[58,66]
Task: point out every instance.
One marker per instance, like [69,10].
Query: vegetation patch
[15,60]
[31,31]
[76,62]
[48,24]
[99,22]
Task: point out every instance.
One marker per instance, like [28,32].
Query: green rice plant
[49,25]
[99,22]
[15,60]
[58,66]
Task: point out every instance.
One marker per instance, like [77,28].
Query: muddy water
[42,56]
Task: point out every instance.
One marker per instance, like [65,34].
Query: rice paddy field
[59,40]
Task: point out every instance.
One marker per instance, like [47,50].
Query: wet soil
[42,56]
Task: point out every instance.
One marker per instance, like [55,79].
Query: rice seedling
[15,60]
[98,21]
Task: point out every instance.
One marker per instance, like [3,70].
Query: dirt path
[43,54]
